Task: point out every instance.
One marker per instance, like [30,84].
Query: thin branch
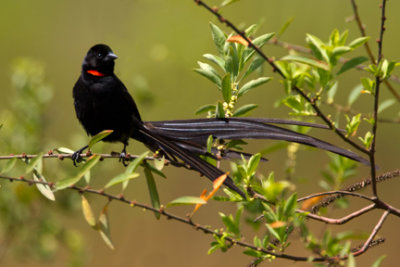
[373,234]
[270,61]
[367,47]
[339,192]
[304,50]
[355,187]
[342,220]
[168,215]
[376,102]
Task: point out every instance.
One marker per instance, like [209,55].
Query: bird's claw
[123,158]
[76,157]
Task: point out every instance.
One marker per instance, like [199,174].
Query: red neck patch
[95,73]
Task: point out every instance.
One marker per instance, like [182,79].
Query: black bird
[102,102]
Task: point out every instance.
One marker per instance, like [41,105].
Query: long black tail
[173,150]
[196,132]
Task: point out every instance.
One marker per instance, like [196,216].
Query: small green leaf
[104,227]
[186,200]
[159,163]
[307,61]
[44,189]
[359,41]
[378,262]
[219,38]
[205,108]
[352,124]
[64,150]
[386,104]
[352,63]
[134,164]
[251,29]
[121,178]
[259,42]
[243,110]
[317,46]
[88,213]
[253,164]
[209,72]
[285,26]
[220,62]
[354,94]
[151,184]
[274,232]
[98,137]
[252,84]
[255,64]
[9,165]
[367,140]
[227,2]
[33,162]
[226,88]
[90,163]
[340,50]
[290,205]
[156,171]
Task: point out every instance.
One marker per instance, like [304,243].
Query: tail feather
[236,128]
[198,164]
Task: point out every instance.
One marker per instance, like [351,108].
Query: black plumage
[102,102]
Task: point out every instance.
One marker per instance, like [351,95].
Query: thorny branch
[189,221]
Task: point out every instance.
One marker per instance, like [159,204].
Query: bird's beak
[111,56]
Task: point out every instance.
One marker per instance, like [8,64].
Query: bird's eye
[99,55]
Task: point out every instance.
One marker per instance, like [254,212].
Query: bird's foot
[124,158]
[76,156]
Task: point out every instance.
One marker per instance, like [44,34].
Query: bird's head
[99,61]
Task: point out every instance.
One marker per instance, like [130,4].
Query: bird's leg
[76,156]
[122,156]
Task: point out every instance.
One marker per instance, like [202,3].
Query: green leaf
[121,178]
[159,163]
[90,163]
[317,46]
[156,171]
[134,164]
[227,2]
[351,262]
[219,38]
[226,88]
[104,227]
[98,137]
[209,72]
[352,125]
[252,84]
[253,164]
[230,225]
[9,165]
[44,189]
[354,94]
[243,110]
[359,41]
[259,42]
[340,50]
[220,113]
[293,103]
[251,29]
[367,140]
[352,63]
[255,64]
[186,200]
[151,184]
[285,26]
[205,108]
[378,262]
[385,104]
[88,213]
[220,62]
[64,150]
[273,232]
[307,61]
[33,162]
[290,205]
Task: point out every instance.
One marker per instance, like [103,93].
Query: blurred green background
[158,44]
